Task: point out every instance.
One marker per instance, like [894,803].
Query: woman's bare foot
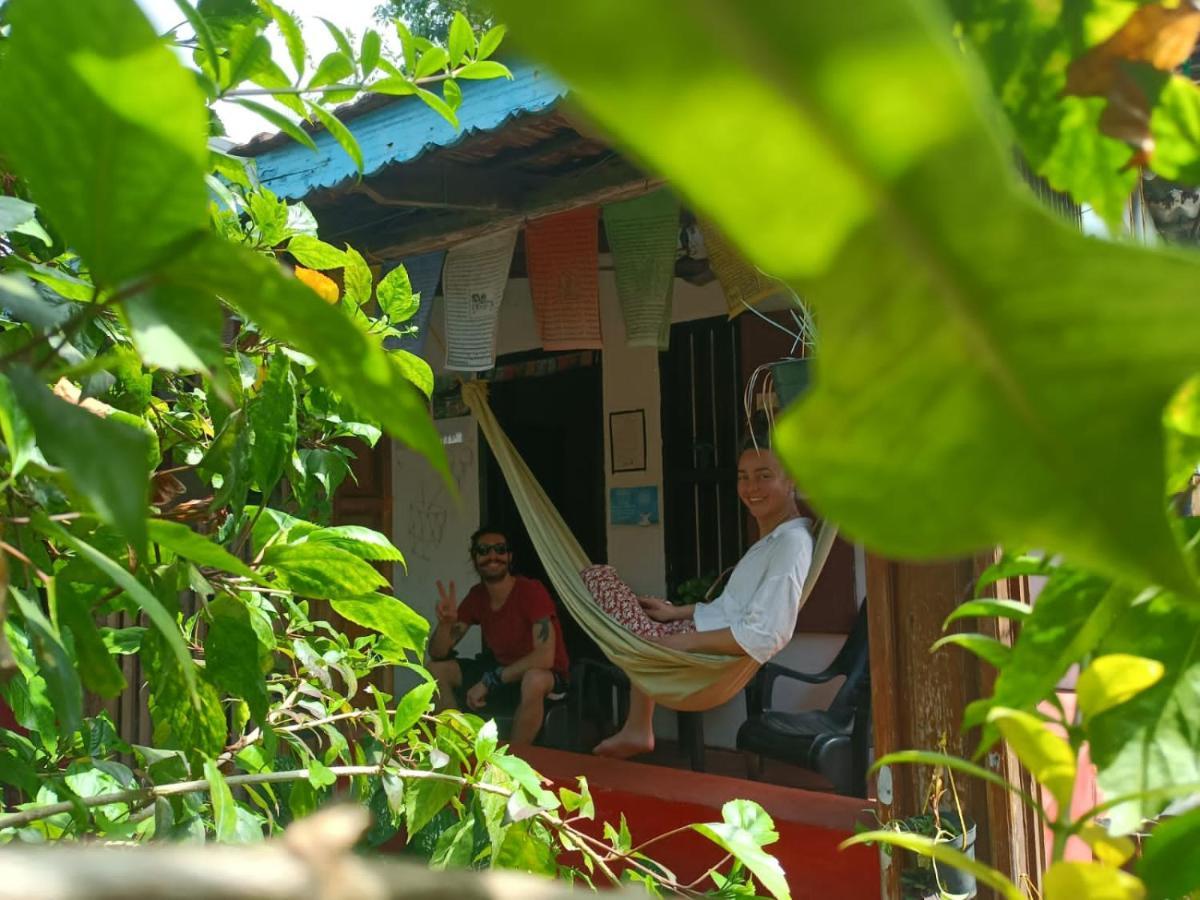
[624,744]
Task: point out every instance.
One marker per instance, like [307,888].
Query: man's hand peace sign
[447,607]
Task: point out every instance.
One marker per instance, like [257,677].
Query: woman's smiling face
[763,486]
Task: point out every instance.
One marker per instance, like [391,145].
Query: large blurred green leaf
[1153,740]
[180,539]
[176,329]
[1170,865]
[987,375]
[322,570]
[106,460]
[351,362]
[108,128]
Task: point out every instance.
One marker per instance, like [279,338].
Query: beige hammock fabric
[676,679]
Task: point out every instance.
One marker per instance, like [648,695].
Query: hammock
[676,679]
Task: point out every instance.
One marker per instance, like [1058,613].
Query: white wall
[630,381]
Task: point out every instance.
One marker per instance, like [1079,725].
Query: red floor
[656,800]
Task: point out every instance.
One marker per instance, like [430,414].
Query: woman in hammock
[754,616]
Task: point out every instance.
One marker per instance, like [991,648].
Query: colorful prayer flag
[562,258]
[643,235]
[743,284]
[473,283]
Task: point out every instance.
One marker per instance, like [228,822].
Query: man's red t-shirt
[508,631]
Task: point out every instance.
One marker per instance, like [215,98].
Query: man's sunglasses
[485,549]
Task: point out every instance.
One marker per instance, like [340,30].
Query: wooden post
[918,700]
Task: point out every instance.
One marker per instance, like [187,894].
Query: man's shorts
[506,696]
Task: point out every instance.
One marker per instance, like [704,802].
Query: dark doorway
[555,421]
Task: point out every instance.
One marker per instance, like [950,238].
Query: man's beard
[493,577]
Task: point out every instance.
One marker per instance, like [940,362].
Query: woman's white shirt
[762,599]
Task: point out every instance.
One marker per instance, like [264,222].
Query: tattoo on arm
[457,631]
[543,629]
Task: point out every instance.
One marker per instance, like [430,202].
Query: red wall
[656,800]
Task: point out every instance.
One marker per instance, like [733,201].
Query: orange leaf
[1159,36]
[325,287]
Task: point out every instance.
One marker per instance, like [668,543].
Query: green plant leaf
[455,846]
[1153,740]
[424,798]
[14,211]
[485,741]
[54,663]
[106,460]
[224,809]
[314,253]
[339,37]
[368,56]
[334,67]
[292,36]
[1047,756]
[180,539]
[438,105]
[279,120]
[16,429]
[989,608]
[365,543]
[1096,881]
[186,709]
[416,370]
[1175,126]
[490,42]
[395,295]
[108,129]
[176,329]
[394,85]
[352,364]
[1169,865]
[232,655]
[744,831]
[946,302]
[97,669]
[414,704]
[319,775]
[340,133]
[1114,679]
[146,601]
[356,277]
[986,648]
[249,51]
[322,570]
[432,60]
[461,39]
[481,69]
[392,618]
[930,758]
[272,418]
[943,853]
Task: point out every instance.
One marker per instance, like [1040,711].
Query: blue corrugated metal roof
[403,130]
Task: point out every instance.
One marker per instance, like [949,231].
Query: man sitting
[524,659]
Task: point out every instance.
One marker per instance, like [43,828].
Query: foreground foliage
[186,370]
[987,375]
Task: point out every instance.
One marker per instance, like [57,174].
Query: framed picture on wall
[627,440]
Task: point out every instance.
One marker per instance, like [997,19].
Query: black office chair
[834,742]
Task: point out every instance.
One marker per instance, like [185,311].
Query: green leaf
[485,741]
[340,133]
[186,718]
[942,853]
[97,668]
[988,608]
[524,850]
[1047,756]
[1096,881]
[146,601]
[438,105]
[180,539]
[204,35]
[108,129]
[176,329]
[407,44]
[1169,865]
[1175,126]
[461,40]
[484,69]
[1153,740]
[351,363]
[15,428]
[15,211]
[1114,679]
[395,296]
[279,120]
[368,56]
[424,798]
[435,59]
[334,67]
[415,369]
[414,704]
[248,52]
[106,461]
[224,809]
[1012,567]
[946,301]
[322,570]
[314,253]
[393,85]
[452,93]
[930,758]
[489,43]
[339,38]
[365,543]
[54,664]
[232,655]
[272,418]
[986,648]
[319,775]
[455,846]
[744,831]
[356,278]
[290,29]
[392,618]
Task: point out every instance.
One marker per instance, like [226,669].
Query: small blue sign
[634,505]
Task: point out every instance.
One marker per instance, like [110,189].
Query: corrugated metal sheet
[402,130]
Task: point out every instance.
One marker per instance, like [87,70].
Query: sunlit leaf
[1047,756]
[1114,679]
[1096,881]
